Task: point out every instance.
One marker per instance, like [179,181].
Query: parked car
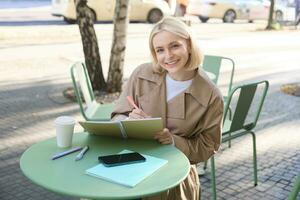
[103,10]
[289,9]
[229,10]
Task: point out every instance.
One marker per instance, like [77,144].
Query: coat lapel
[155,100]
[176,107]
[200,89]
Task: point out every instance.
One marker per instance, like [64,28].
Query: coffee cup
[64,131]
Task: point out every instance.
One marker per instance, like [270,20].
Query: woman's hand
[164,137]
[138,114]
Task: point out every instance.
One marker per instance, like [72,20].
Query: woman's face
[172,53]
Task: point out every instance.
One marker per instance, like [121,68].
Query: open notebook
[128,175]
[137,128]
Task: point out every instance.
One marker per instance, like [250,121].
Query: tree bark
[90,45]
[116,63]
[270,19]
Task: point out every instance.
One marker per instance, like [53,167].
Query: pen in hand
[82,152]
[130,100]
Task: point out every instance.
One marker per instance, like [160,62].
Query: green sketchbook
[137,128]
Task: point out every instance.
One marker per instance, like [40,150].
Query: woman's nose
[169,54]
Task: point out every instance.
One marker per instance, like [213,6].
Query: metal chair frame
[93,111]
[295,190]
[236,126]
[213,64]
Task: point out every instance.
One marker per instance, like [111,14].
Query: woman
[173,88]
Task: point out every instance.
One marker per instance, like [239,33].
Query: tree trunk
[90,45]
[270,19]
[116,63]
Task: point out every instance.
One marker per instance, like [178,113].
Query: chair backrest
[245,95]
[82,86]
[213,64]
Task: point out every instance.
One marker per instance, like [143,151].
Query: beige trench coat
[194,117]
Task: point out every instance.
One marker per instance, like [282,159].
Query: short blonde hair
[180,29]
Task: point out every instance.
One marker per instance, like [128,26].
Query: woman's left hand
[164,136]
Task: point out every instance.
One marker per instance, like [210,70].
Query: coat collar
[149,75]
[201,88]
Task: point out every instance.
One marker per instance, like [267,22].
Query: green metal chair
[89,108]
[295,190]
[213,64]
[240,124]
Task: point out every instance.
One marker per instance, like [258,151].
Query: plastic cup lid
[64,120]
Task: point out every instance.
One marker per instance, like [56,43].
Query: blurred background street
[37,49]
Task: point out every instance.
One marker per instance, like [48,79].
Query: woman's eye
[159,50]
[175,46]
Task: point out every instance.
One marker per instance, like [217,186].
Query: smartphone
[121,159]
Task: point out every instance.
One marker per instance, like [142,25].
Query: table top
[67,176]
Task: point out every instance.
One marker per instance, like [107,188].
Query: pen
[82,152]
[66,153]
[130,100]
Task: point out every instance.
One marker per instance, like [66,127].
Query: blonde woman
[173,87]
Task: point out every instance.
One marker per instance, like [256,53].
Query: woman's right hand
[138,114]
[164,137]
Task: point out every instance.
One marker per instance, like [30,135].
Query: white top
[175,87]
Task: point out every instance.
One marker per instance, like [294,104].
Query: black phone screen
[121,159]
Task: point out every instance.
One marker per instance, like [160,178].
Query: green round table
[67,176]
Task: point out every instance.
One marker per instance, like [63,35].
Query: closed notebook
[137,128]
[128,175]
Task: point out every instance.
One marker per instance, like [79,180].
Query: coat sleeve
[207,137]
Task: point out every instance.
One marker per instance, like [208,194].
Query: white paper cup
[64,131]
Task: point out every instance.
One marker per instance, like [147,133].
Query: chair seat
[228,134]
[99,112]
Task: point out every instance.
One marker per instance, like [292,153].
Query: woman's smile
[172,63]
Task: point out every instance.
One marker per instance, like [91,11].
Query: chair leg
[205,165]
[254,158]
[213,178]
[295,190]
[230,117]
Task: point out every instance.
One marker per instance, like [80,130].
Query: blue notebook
[128,175]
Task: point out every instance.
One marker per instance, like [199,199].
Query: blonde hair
[180,29]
